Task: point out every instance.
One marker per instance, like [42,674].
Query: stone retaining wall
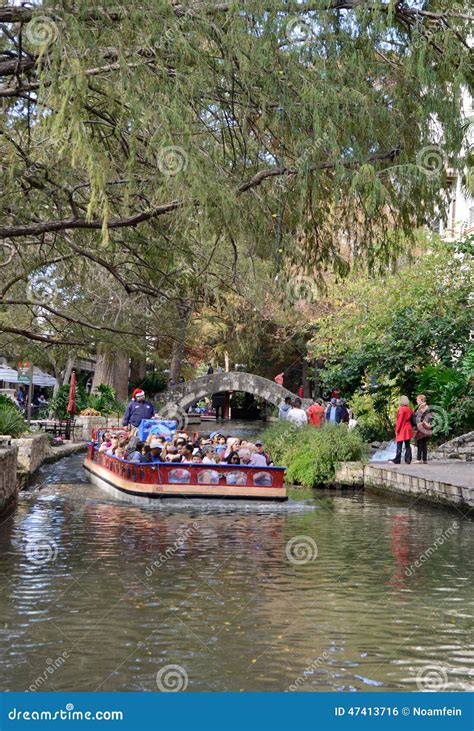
[459,448]
[32,451]
[350,474]
[434,488]
[8,482]
[84,425]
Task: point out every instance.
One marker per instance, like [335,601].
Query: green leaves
[11,420]
[312,454]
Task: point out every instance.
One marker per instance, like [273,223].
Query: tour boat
[140,483]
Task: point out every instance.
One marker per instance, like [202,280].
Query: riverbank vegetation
[312,455]
[184,182]
[11,420]
[404,332]
[102,402]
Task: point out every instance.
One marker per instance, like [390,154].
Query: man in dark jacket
[137,410]
[337,412]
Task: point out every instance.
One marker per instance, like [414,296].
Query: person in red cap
[137,410]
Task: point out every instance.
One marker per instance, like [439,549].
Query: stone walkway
[64,450]
[450,472]
[439,481]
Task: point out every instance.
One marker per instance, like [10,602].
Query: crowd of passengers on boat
[183,448]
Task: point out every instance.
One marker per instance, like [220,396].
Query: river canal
[320,594]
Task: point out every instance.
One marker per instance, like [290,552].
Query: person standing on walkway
[218,404]
[284,408]
[297,415]
[424,428]
[403,430]
[279,379]
[333,412]
[316,413]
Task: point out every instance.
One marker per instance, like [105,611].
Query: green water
[313,595]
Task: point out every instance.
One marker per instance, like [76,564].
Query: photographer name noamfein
[444,711]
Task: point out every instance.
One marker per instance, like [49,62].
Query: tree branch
[35,336]
[35,229]
[262,175]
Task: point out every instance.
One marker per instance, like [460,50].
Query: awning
[40,378]
[8,375]
[43,379]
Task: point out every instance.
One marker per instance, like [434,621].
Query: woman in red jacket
[403,431]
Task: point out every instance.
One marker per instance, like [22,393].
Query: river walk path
[446,481]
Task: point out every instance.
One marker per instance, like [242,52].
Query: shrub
[59,402]
[11,420]
[313,454]
[375,412]
[102,401]
[452,391]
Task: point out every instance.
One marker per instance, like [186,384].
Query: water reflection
[115,592]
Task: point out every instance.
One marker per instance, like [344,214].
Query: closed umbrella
[71,406]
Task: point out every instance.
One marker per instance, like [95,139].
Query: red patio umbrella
[71,406]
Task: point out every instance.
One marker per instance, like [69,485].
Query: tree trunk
[177,357]
[68,370]
[121,376]
[112,369]
[137,369]
[177,352]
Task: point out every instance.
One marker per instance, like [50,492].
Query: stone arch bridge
[186,394]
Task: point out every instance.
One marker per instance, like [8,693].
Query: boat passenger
[113,446]
[156,449]
[221,445]
[106,443]
[210,457]
[245,456]
[146,454]
[259,457]
[186,452]
[230,459]
[136,455]
[172,454]
[197,457]
[120,452]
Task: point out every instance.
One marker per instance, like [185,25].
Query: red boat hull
[165,480]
